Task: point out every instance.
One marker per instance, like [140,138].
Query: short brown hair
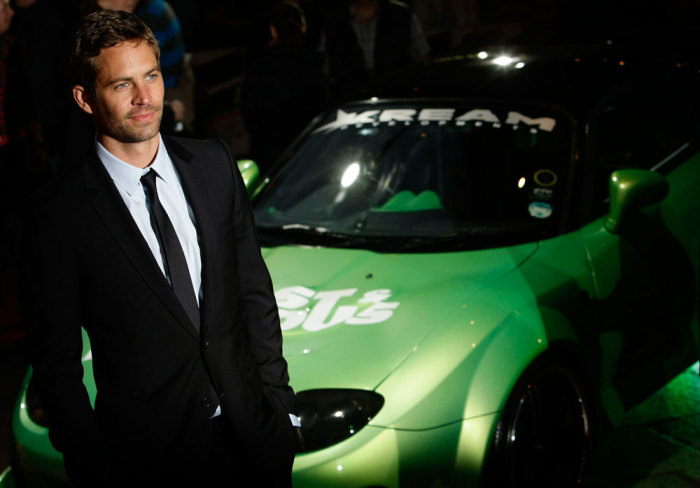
[99,30]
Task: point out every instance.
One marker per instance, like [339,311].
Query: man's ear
[83,99]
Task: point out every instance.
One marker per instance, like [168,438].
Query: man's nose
[142,95]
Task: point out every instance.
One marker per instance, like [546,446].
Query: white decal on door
[313,311]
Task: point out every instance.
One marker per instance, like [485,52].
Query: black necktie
[173,257]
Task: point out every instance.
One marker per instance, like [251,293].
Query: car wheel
[544,436]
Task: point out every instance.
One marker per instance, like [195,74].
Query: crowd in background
[300,56]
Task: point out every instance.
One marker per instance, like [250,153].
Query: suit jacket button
[205,344]
[206,402]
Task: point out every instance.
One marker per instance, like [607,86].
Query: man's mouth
[144,116]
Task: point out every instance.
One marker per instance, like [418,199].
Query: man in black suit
[191,387]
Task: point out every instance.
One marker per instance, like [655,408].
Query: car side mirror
[250,171]
[631,190]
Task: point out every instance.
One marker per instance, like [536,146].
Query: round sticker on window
[545,177]
[540,210]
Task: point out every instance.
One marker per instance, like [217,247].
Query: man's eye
[152,76]
[122,85]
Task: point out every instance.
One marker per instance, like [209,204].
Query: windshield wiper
[302,234]
[291,233]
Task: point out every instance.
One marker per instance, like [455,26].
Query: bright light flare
[503,60]
[352,172]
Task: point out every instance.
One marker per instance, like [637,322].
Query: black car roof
[571,76]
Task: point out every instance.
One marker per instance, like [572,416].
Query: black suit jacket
[88,265]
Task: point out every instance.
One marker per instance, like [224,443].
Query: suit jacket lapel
[198,200]
[110,207]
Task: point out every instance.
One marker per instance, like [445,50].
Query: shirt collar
[128,176]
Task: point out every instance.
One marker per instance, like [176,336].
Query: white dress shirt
[127,179]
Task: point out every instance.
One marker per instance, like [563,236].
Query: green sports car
[481,264]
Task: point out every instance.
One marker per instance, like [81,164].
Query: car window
[425,170]
[644,123]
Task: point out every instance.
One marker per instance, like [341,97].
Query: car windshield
[421,174]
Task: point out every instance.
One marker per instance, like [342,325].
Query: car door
[644,273]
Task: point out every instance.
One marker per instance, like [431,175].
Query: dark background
[659,444]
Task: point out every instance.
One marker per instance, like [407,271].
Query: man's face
[128,102]
[6,14]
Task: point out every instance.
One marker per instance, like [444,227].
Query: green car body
[440,342]
[462,329]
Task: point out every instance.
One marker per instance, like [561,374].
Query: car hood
[351,317]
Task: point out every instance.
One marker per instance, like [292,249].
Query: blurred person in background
[14,148]
[7,75]
[42,29]
[283,87]
[364,38]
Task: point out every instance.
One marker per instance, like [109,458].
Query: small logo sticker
[540,210]
[545,177]
[542,193]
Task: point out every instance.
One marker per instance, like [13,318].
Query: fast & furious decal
[313,311]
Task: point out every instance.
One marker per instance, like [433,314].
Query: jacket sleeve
[54,336]
[259,308]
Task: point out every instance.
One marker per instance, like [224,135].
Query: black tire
[545,435]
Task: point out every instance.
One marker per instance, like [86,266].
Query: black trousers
[216,460]
[222,462]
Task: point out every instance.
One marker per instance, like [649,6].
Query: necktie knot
[148,180]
